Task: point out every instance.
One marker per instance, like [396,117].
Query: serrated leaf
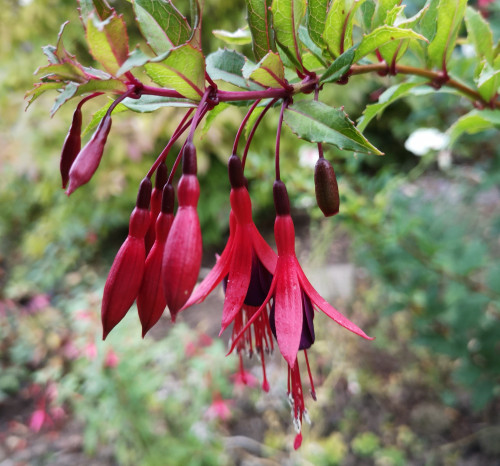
[108,41]
[259,20]
[151,103]
[488,80]
[317,11]
[138,58]
[269,72]
[449,18]
[317,122]
[183,70]
[161,24]
[238,37]
[227,65]
[287,16]
[39,89]
[64,96]
[196,18]
[381,36]
[99,115]
[311,46]
[474,122]
[339,67]
[100,7]
[387,98]
[62,72]
[338,26]
[479,33]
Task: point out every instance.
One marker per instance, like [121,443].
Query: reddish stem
[278,138]
[243,123]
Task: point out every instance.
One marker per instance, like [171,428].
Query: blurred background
[413,258]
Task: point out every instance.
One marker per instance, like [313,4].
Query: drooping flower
[245,267]
[290,289]
[156,198]
[326,187]
[71,147]
[125,276]
[89,158]
[151,298]
[182,256]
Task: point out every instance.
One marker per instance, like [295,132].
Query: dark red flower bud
[182,257]
[156,196]
[71,147]
[235,168]
[327,190]
[189,164]
[281,200]
[151,299]
[125,276]
[88,159]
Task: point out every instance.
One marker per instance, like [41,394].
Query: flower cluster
[268,299]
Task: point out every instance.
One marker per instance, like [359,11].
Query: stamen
[313,391]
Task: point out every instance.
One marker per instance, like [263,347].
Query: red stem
[278,137]
[243,123]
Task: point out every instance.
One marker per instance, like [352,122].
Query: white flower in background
[308,156]
[423,140]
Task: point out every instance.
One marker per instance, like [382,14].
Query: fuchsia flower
[183,250]
[125,276]
[246,266]
[72,146]
[156,198]
[88,159]
[151,298]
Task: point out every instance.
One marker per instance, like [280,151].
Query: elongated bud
[189,164]
[182,257]
[151,299]
[125,276]
[156,196]
[327,190]
[281,200]
[88,159]
[235,169]
[71,147]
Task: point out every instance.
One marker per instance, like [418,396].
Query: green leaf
[488,79]
[196,17]
[64,96]
[238,37]
[151,103]
[387,98]
[62,71]
[367,12]
[183,70]
[287,16]
[479,33]
[269,72]
[310,45]
[108,41]
[338,27]
[428,25]
[138,58]
[381,12]
[474,122]
[99,115]
[317,122]
[100,7]
[317,11]
[227,65]
[39,89]
[381,36]
[107,85]
[260,20]
[449,18]
[339,67]
[161,24]
[212,115]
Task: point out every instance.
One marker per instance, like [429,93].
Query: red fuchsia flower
[219,409]
[111,360]
[246,267]
[151,298]
[125,276]
[89,158]
[156,197]
[183,249]
[71,147]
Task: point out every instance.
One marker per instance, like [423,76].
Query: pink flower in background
[219,409]
[111,359]
[90,351]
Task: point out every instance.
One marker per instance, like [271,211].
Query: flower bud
[151,299]
[281,200]
[156,197]
[327,190]
[89,157]
[183,250]
[125,276]
[71,147]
